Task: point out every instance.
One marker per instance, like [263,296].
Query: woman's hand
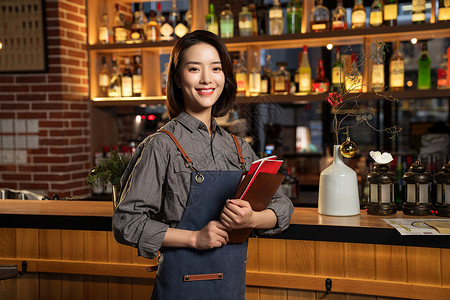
[237,214]
[213,235]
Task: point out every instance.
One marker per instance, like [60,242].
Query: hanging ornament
[348,148]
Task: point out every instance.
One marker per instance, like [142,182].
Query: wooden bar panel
[72,249]
[424,265]
[445,267]
[390,263]
[301,257]
[142,288]
[360,261]
[272,258]
[96,249]
[27,245]
[330,259]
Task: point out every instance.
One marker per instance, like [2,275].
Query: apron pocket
[198,277]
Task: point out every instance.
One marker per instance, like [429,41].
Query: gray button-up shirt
[156,182]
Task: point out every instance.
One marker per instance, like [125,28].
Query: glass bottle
[262,17]
[267,77]
[418,11]
[180,26]
[397,69]
[137,76]
[137,28]
[164,76]
[152,28]
[252,9]
[226,23]
[127,80]
[424,75]
[211,20]
[188,19]
[376,14]
[282,80]
[115,85]
[353,79]
[241,75]
[320,84]
[160,20]
[294,16]
[255,76]
[276,21]
[320,20]
[358,15]
[103,79]
[120,32]
[245,22]
[444,11]
[390,11]
[304,73]
[339,17]
[442,82]
[338,74]
[103,30]
[378,70]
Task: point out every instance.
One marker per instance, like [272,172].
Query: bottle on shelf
[245,22]
[127,80]
[180,28]
[241,75]
[164,76]
[152,28]
[424,73]
[120,32]
[103,79]
[103,30]
[252,9]
[188,19]
[442,81]
[418,11]
[304,73]
[255,76]
[115,84]
[267,77]
[320,84]
[353,78]
[390,12]
[444,11]
[282,80]
[137,76]
[358,15]
[338,74]
[339,17]
[138,26]
[320,19]
[297,73]
[376,14]
[160,20]
[226,22]
[397,69]
[276,21]
[377,80]
[262,17]
[212,24]
[294,13]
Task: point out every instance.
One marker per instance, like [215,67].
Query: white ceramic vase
[338,188]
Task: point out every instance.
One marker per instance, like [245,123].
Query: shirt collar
[192,123]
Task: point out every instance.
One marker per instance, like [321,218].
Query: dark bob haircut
[175,101]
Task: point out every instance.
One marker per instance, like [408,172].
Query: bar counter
[70,242]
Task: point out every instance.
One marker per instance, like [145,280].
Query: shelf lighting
[330,46]
[414,41]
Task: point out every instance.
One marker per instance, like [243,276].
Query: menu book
[257,186]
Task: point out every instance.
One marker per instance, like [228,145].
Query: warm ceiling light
[1,45]
[414,41]
[330,46]
[409,83]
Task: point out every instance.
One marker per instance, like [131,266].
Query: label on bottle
[255,83]
[103,34]
[358,18]
[137,84]
[397,73]
[444,13]
[353,84]
[390,12]
[152,33]
[226,28]
[275,14]
[418,5]
[305,82]
[181,30]
[213,27]
[378,74]
[245,27]
[320,87]
[127,86]
[264,86]
[442,83]
[120,34]
[166,30]
[136,35]
[376,18]
[280,85]
[241,79]
[339,24]
[319,26]
[418,17]
[103,80]
[337,76]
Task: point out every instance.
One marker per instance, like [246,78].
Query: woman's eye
[193,69]
[217,69]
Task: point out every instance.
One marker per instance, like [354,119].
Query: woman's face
[201,78]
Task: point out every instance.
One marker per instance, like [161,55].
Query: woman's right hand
[213,235]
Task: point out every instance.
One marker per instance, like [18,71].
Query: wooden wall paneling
[300,257]
[142,288]
[360,261]
[118,252]
[445,267]
[390,263]
[272,258]
[50,247]
[95,249]
[251,292]
[72,249]
[329,262]
[119,287]
[95,287]
[8,288]
[303,295]
[27,246]
[424,265]
[50,286]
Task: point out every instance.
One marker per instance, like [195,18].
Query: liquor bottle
[338,74]
[167,28]
[276,20]
[390,11]
[152,28]
[137,28]
[376,14]
[320,84]
[418,11]
[304,73]
[262,17]
[353,79]
[179,26]
[358,15]
[245,22]
[378,70]
[160,20]
[320,20]
[120,32]
[267,77]
[294,16]
[127,80]
[444,11]
[115,85]
[241,75]
[188,19]
[226,23]
[103,30]
[137,76]
[103,79]
[282,80]
[424,76]
[252,9]
[339,17]
[211,20]
[442,82]
[164,76]
[397,69]
[255,76]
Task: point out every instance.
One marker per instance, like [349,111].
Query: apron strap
[239,149]
[185,156]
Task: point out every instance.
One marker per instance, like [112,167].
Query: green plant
[109,169]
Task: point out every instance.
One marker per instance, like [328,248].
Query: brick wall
[44,117]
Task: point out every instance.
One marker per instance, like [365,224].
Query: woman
[175,190]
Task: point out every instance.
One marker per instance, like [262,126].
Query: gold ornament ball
[348,149]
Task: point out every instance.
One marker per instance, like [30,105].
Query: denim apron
[218,273]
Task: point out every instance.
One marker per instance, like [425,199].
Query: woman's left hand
[237,214]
